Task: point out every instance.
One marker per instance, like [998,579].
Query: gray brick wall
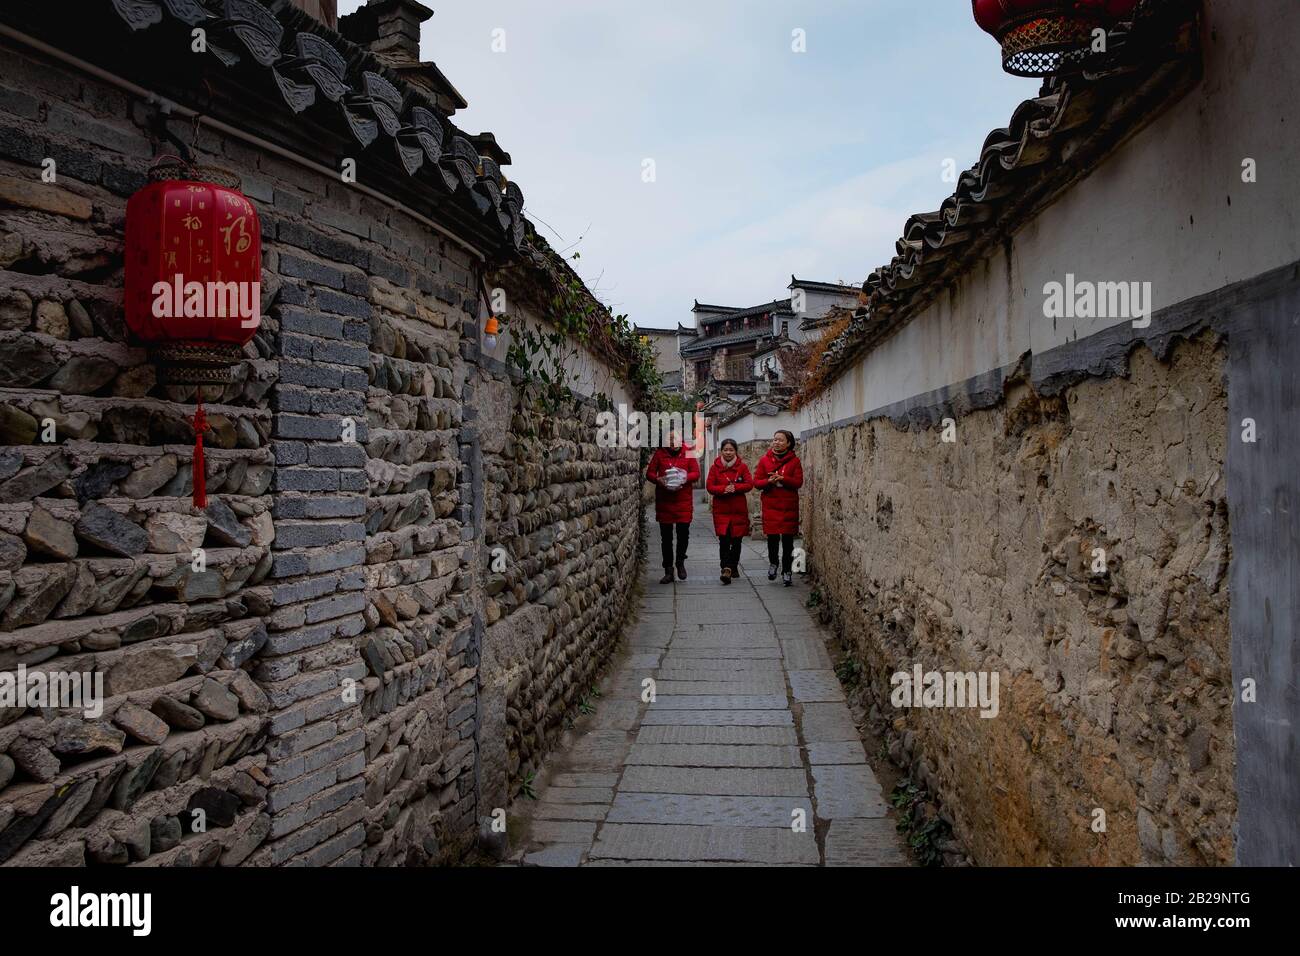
[317,687]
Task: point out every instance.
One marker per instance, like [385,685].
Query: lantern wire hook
[163,132]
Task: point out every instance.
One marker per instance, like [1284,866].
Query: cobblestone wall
[563,519]
[315,688]
[978,555]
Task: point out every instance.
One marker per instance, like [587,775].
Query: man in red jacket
[674,471]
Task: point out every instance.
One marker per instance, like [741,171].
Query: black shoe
[726,575]
[681,570]
[787,579]
[771,572]
[668,576]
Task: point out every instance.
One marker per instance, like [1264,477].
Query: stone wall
[1116,687]
[562,526]
[315,689]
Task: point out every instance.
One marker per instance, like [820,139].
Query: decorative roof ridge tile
[306,57]
[780,306]
[729,338]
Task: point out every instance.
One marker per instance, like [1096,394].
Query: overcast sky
[767,162]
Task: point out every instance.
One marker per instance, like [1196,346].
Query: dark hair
[789,436]
[731,442]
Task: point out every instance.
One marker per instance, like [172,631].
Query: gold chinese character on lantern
[242,241]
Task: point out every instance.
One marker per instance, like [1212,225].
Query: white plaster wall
[761,427]
[589,374]
[1168,207]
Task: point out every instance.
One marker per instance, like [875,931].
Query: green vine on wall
[545,357]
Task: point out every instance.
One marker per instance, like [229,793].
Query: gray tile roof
[707,344]
[312,65]
[1151,59]
[779,306]
[834,288]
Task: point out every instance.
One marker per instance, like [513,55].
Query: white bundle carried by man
[674,478]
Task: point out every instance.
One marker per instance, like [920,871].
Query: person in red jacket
[779,476]
[728,482]
[673,506]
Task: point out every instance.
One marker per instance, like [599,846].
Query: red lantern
[193,281]
[1039,37]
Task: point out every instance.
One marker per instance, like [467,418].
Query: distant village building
[736,345]
[724,347]
[816,304]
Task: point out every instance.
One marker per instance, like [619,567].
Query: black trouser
[666,543]
[729,552]
[786,544]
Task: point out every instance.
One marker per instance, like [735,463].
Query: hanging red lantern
[193,280]
[1041,37]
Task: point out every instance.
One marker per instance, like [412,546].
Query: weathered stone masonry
[977,555]
[316,690]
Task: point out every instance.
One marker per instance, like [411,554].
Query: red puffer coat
[730,511]
[780,502]
[673,507]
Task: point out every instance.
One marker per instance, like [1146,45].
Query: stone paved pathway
[748,733]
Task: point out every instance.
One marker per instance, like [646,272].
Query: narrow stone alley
[747,754]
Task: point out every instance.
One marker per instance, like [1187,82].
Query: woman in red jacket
[729,481]
[673,506]
[779,476]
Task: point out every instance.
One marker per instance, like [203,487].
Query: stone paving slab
[805,654]
[847,791]
[632,841]
[713,755]
[570,811]
[723,642]
[583,780]
[715,668]
[827,723]
[656,619]
[864,843]
[679,688]
[741,782]
[558,855]
[557,831]
[649,642]
[700,810]
[579,795]
[747,653]
[752,620]
[748,734]
[815,686]
[714,718]
[836,752]
[599,752]
[719,702]
[616,715]
[718,735]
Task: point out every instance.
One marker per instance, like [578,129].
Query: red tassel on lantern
[198,469]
